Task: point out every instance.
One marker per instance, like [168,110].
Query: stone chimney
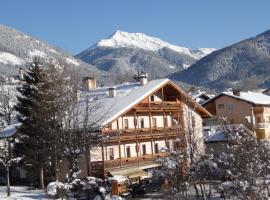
[143,77]
[112,92]
[236,92]
[89,83]
[21,73]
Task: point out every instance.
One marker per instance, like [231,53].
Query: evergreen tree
[33,105]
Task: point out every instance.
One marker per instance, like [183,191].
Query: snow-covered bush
[244,165]
[56,190]
[76,187]
[115,197]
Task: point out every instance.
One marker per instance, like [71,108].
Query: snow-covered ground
[22,193]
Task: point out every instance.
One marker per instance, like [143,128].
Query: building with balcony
[248,108]
[140,121]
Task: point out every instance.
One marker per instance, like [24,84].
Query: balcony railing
[143,133]
[262,125]
[258,109]
[125,162]
[158,105]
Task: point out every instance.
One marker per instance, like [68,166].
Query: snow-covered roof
[9,131]
[251,97]
[216,133]
[106,108]
[127,95]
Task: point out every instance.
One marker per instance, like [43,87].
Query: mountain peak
[143,41]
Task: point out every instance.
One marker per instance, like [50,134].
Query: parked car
[145,186]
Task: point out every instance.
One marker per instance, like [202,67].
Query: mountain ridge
[232,66]
[125,52]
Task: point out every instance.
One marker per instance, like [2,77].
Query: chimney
[21,73]
[112,92]
[236,92]
[89,83]
[143,77]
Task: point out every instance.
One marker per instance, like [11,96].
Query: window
[229,106]
[220,106]
[128,151]
[154,122]
[152,98]
[111,154]
[142,122]
[156,148]
[125,123]
[144,149]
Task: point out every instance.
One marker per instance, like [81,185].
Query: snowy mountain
[17,48]
[125,52]
[142,41]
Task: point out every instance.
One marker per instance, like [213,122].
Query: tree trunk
[88,161]
[56,169]
[8,157]
[196,190]
[8,181]
[41,179]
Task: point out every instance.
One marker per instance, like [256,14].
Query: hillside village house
[248,108]
[142,120]
[201,97]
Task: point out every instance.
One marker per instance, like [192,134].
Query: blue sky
[75,25]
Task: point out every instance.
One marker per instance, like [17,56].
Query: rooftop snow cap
[112,92]
[143,77]
[89,83]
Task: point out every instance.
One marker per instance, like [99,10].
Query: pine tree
[35,113]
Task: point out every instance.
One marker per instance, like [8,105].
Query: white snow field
[22,193]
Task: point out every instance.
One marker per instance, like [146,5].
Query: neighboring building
[248,108]
[9,134]
[215,137]
[266,91]
[142,120]
[201,97]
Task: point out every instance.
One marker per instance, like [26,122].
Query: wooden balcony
[258,109]
[127,162]
[261,134]
[158,106]
[262,125]
[143,134]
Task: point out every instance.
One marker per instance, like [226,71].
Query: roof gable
[250,97]
[129,95]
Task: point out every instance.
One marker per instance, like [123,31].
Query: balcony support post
[119,142]
[164,124]
[150,125]
[135,125]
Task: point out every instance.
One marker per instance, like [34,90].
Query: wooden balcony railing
[125,162]
[158,105]
[262,125]
[143,133]
[258,109]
